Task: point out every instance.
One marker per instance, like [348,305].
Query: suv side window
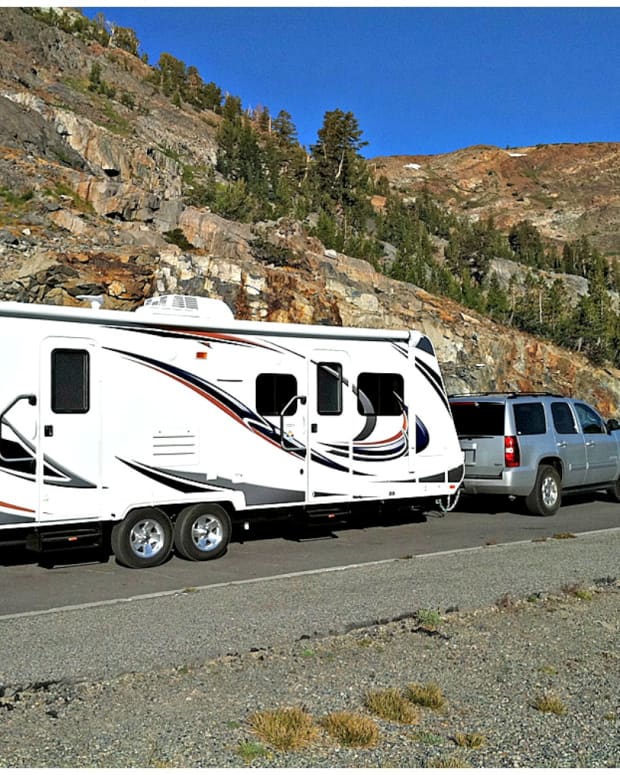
[529,419]
[563,420]
[589,419]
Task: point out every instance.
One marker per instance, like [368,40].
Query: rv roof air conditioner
[187,306]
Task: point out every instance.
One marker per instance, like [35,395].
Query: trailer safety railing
[32,400]
[302,401]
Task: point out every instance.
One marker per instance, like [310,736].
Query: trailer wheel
[546,497]
[143,539]
[202,532]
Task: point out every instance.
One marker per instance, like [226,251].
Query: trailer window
[70,381]
[274,392]
[329,388]
[380,394]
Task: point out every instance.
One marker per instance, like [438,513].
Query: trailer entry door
[331,417]
[69,432]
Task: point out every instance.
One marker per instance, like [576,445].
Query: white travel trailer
[162,427]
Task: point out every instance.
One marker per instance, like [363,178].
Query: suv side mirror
[613,425]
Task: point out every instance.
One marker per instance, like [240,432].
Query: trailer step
[327,514]
[62,540]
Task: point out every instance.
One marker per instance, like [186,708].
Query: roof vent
[186,306]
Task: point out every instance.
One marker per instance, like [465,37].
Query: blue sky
[419,80]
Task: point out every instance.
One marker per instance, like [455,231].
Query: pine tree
[497,301]
[339,171]
[284,129]
[527,245]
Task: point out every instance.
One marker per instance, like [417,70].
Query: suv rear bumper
[512,481]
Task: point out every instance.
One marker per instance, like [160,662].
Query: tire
[143,539]
[202,532]
[614,491]
[546,497]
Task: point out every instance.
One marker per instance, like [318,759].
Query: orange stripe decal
[17,508]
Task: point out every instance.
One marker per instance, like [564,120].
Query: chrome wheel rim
[207,533]
[549,491]
[147,538]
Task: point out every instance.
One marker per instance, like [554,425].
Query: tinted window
[563,420]
[380,394]
[474,419]
[274,392]
[329,388]
[70,381]
[529,419]
[589,419]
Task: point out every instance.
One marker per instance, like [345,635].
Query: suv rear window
[529,419]
[473,419]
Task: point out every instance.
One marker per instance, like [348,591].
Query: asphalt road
[82,578]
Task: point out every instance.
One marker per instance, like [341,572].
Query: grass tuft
[469,739]
[561,536]
[577,591]
[428,695]
[249,750]
[286,729]
[426,738]
[549,702]
[390,705]
[351,729]
[451,762]
[428,619]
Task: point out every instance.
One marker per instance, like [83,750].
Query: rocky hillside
[565,190]
[93,185]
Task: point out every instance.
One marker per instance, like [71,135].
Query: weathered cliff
[89,187]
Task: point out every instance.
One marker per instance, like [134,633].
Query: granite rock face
[92,201]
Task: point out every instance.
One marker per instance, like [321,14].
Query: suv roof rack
[508,394]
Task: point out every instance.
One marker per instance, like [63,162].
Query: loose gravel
[491,664]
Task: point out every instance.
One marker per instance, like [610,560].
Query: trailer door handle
[48,430]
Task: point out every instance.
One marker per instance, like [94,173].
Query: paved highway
[82,579]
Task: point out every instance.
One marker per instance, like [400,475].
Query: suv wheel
[614,490]
[546,497]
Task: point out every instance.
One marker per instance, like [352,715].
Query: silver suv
[535,446]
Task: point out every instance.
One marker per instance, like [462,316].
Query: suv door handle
[561,444]
[590,444]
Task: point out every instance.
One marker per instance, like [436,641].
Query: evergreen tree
[527,245]
[555,313]
[497,301]
[125,38]
[339,171]
[284,129]
[528,313]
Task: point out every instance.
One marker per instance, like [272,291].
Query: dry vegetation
[391,705]
[286,729]
[428,695]
[351,729]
